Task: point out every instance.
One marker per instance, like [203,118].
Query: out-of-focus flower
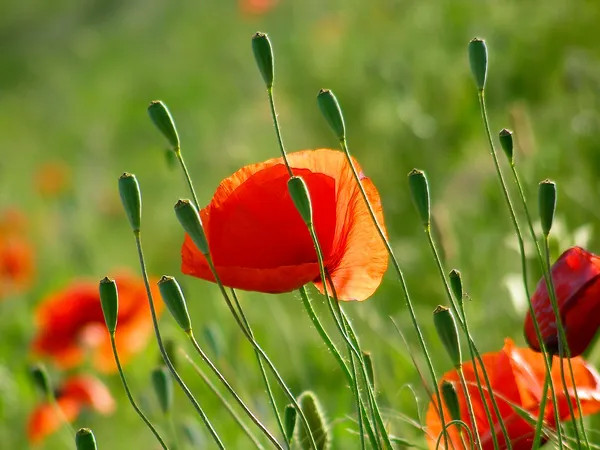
[259,242]
[52,179]
[16,254]
[517,379]
[71,323]
[576,277]
[256,7]
[77,393]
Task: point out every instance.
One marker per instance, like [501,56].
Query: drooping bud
[189,218]
[456,285]
[547,204]
[161,116]
[109,299]
[85,440]
[263,54]
[40,378]
[163,387]
[171,293]
[419,190]
[451,399]
[330,108]
[301,197]
[131,197]
[478,59]
[448,333]
[506,141]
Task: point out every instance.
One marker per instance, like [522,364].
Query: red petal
[45,419]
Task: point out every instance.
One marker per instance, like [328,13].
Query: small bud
[263,54]
[456,284]
[85,440]
[448,333]
[175,301]
[160,115]
[419,190]
[330,108]
[478,59]
[311,407]
[506,141]
[131,197]
[301,197]
[40,378]
[109,299]
[451,399]
[369,368]
[163,387]
[547,204]
[189,218]
[289,421]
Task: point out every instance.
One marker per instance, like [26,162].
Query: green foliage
[310,405]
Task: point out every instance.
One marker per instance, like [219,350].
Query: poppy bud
[478,59]
[131,197]
[506,141]
[263,54]
[301,197]
[109,299]
[175,301]
[419,190]
[330,108]
[448,333]
[451,399]
[369,367]
[289,421]
[163,387]
[40,378]
[456,284]
[160,115]
[188,217]
[547,204]
[311,407]
[85,440]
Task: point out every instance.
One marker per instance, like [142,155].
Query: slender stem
[356,393]
[172,430]
[163,351]
[403,284]
[463,384]
[278,131]
[188,179]
[229,408]
[130,397]
[66,425]
[232,391]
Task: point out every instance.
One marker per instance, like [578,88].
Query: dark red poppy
[16,254]
[75,394]
[517,380]
[259,242]
[576,277]
[71,324]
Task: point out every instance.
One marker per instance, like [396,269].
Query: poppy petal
[45,419]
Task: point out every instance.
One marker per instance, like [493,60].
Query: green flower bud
[332,112]
[448,333]
[131,197]
[263,54]
[478,59]
[547,204]
[301,197]
[109,299]
[40,378]
[311,407]
[171,293]
[160,115]
[419,190]
[451,399]
[189,218]
[85,440]
[456,284]
[163,387]
[506,141]
[289,421]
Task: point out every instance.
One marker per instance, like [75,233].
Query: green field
[76,79]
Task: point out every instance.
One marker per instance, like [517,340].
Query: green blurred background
[75,81]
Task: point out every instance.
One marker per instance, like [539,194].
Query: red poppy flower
[517,378]
[258,241]
[256,7]
[16,255]
[71,323]
[76,393]
[576,277]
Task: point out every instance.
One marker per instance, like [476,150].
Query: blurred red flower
[576,277]
[52,179]
[258,241]
[71,324]
[257,7]
[16,254]
[517,378]
[76,393]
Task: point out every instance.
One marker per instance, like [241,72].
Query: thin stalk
[356,393]
[232,391]
[540,421]
[130,397]
[278,131]
[69,431]
[224,401]
[403,284]
[463,384]
[172,430]
[163,351]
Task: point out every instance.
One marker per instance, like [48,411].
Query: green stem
[188,179]
[232,391]
[130,397]
[278,131]
[463,384]
[163,351]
